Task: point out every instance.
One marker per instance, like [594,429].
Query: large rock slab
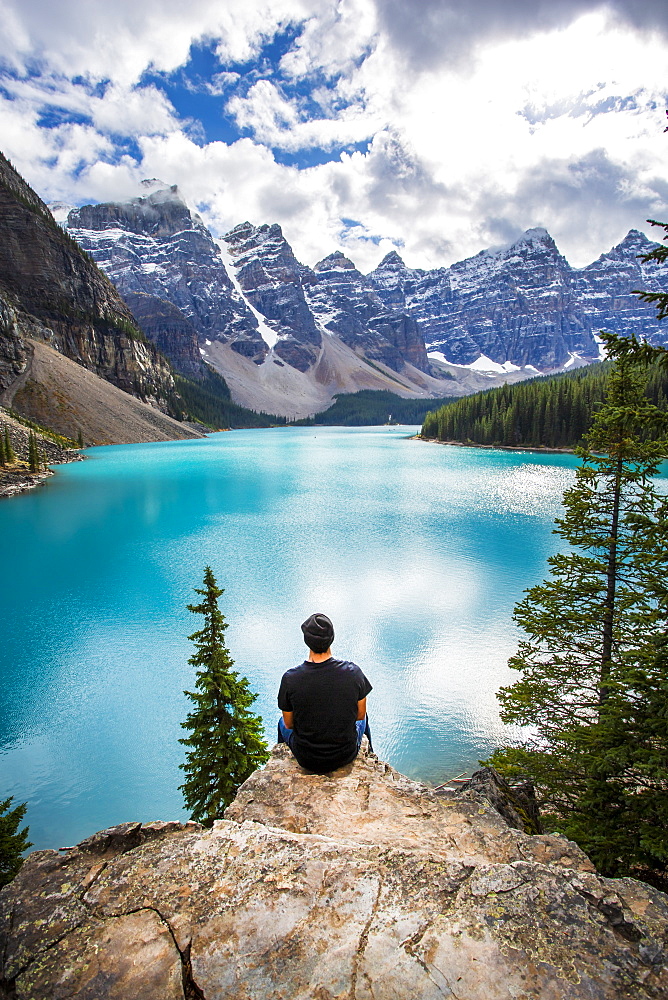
[356,903]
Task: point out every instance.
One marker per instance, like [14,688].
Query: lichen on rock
[360,884]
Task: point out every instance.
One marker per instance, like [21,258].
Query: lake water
[417,552]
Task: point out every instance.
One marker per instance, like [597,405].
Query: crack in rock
[364,938]
[613,911]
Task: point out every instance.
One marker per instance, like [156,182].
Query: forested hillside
[372,407]
[551,412]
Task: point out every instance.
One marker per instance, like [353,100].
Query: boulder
[359,884]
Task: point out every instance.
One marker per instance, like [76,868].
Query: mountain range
[114,352]
[287,337]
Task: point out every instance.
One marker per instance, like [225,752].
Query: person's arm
[361,710]
[288,720]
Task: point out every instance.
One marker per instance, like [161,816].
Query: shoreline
[540,449]
[17,480]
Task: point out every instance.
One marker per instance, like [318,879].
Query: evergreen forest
[209,402]
[371,407]
[552,411]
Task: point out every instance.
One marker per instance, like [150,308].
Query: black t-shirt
[323,697]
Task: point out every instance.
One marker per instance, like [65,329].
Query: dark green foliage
[13,842]
[371,407]
[209,402]
[10,456]
[594,663]
[225,742]
[80,440]
[34,464]
[3,461]
[551,412]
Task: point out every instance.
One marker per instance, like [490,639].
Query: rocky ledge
[360,884]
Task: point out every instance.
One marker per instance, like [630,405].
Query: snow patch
[268,335]
[483,365]
[602,353]
[60,210]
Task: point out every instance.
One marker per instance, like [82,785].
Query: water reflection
[417,552]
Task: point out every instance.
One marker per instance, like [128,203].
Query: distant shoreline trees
[547,412]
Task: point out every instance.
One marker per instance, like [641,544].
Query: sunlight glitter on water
[417,552]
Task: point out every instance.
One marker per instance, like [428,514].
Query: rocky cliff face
[360,884]
[525,305]
[53,292]
[272,279]
[347,304]
[171,332]
[605,289]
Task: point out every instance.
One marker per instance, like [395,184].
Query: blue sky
[433,127]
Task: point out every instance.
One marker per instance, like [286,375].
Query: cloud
[116,109]
[429,33]
[285,124]
[119,41]
[477,120]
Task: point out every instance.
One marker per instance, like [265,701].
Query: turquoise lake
[418,553]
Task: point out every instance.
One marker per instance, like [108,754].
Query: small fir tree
[13,842]
[225,742]
[80,440]
[34,464]
[594,684]
[10,456]
[3,460]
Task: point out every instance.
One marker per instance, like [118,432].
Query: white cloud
[484,119]
[281,123]
[119,40]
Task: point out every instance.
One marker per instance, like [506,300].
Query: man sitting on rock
[323,702]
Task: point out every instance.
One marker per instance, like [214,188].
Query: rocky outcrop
[359,884]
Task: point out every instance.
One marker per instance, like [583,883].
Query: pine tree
[594,686]
[13,842]
[80,440]
[10,456]
[33,453]
[3,459]
[225,742]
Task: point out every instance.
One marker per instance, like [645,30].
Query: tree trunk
[611,584]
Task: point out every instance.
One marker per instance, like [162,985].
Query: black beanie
[318,633]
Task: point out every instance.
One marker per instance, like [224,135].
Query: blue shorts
[285,735]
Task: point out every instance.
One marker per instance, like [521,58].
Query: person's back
[323,701]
